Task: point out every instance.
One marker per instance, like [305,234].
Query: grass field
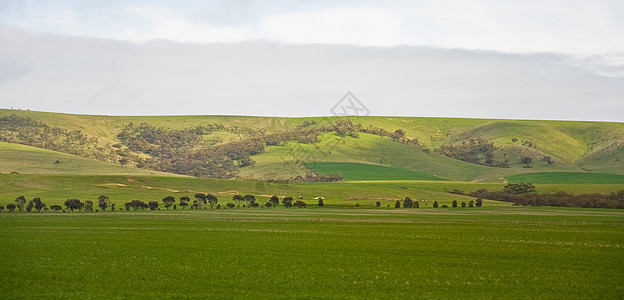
[357,171]
[315,253]
[567,178]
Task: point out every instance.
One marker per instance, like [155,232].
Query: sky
[559,60]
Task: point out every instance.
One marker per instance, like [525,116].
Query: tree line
[523,194]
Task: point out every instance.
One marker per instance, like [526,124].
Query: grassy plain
[358,171]
[567,178]
[315,253]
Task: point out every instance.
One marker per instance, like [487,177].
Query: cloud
[99,76]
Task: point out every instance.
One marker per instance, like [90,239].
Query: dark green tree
[408,202]
[88,206]
[479,202]
[20,203]
[55,208]
[238,199]
[11,207]
[72,204]
[200,199]
[168,201]
[397,204]
[275,200]
[454,203]
[251,200]
[153,205]
[104,202]
[184,201]
[212,200]
[435,204]
[320,202]
[287,202]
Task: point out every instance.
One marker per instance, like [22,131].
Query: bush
[454,204]
[397,204]
[470,203]
[357,205]
[444,206]
[268,204]
[416,204]
[479,202]
[435,204]
[320,202]
[230,205]
[11,207]
[153,205]
[463,204]
[378,204]
[300,204]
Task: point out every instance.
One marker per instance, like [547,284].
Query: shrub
[479,202]
[268,204]
[435,204]
[230,205]
[470,203]
[378,204]
[454,204]
[300,204]
[463,204]
[397,204]
[357,205]
[416,204]
[55,208]
[320,202]
[444,206]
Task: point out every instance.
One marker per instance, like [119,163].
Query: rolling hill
[271,148]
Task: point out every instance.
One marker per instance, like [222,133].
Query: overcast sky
[486,59]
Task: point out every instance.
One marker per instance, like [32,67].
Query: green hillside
[30,160]
[271,148]
[357,171]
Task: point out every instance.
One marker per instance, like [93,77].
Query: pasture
[501,252]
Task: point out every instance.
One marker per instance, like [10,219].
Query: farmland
[315,253]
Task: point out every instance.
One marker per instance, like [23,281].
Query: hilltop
[313,149]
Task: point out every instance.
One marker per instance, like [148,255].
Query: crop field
[358,171]
[315,253]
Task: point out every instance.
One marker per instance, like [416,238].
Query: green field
[357,171]
[567,178]
[315,253]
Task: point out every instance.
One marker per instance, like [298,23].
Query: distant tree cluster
[523,194]
[477,151]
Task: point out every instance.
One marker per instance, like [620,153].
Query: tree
[55,208]
[200,200]
[138,204]
[29,206]
[320,202]
[275,200]
[251,200]
[104,202]
[1,208]
[397,204]
[287,202]
[88,206]
[463,204]
[526,159]
[168,201]
[230,205]
[454,204]
[416,204]
[470,203]
[479,202]
[38,204]
[300,204]
[408,203]
[549,160]
[184,201]
[20,202]
[212,200]
[128,205]
[268,204]
[112,206]
[238,199]
[72,204]
[377,204]
[435,204]
[153,205]
[11,207]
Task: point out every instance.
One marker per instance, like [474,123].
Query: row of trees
[409,203]
[200,200]
[523,194]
